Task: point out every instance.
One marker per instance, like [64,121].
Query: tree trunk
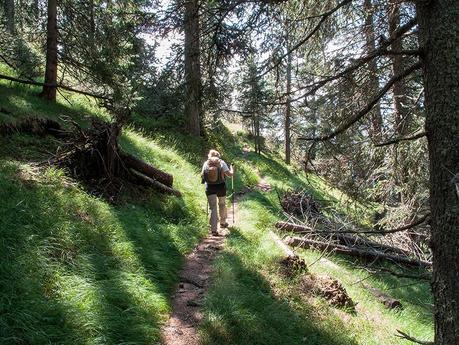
[399,89]
[9,14]
[193,103]
[49,90]
[36,10]
[402,118]
[376,117]
[288,105]
[439,40]
[147,169]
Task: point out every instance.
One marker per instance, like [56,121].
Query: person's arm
[202,173]
[229,171]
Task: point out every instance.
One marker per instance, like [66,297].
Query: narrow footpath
[182,327]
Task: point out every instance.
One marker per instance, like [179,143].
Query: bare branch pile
[300,204]
[353,244]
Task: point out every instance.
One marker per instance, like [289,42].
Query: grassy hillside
[253,302]
[76,269]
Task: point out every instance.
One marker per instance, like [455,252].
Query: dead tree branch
[398,140]
[358,252]
[63,87]
[403,335]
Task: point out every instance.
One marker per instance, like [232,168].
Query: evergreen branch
[368,107]
[381,50]
[323,18]
[397,140]
[60,86]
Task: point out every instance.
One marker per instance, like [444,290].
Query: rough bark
[49,89]
[147,169]
[376,117]
[10,14]
[193,87]
[439,40]
[288,105]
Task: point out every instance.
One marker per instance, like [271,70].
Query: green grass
[252,302]
[78,270]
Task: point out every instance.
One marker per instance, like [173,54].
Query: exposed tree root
[94,157]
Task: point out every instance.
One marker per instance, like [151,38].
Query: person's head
[213,153]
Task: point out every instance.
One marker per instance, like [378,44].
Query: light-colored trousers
[215,201]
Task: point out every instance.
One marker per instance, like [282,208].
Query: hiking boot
[215,233]
[224,225]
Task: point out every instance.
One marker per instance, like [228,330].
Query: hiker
[214,172]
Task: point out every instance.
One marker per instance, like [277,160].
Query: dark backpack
[213,173]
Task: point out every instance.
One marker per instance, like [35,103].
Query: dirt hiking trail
[182,326]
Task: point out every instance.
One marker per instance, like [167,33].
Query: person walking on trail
[214,172]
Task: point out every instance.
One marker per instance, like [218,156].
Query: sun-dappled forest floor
[77,269]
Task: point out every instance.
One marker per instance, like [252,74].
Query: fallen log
[149,182]
[343,238]
[358,252]
[385,299]
[33,125]
[146,169]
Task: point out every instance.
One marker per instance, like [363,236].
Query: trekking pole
[232,194]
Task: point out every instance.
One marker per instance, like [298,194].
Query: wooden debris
[385,299]
[150,182]
[403,335]
[343,238]
[367,253]
[147,169]
[299,204]
[329,288]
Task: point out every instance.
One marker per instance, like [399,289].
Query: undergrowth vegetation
[76,269]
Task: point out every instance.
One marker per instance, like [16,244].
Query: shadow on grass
[241,308]
[18,102]
[22,101]
[75,270]
[414,294]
